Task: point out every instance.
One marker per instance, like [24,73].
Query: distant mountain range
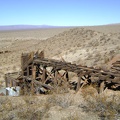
[29,27]
[26,27]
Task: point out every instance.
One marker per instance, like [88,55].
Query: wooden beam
[27,71]
[116,65]
[72,67]
[116,68]
[55,78]
[78,84]
[11,83]
[102,86]
[6,84]
[44,85]
[44,75]
[84,83]
[33,78]
[67,76]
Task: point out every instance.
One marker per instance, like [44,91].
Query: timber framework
[42,75]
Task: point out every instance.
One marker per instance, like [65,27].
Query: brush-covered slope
[82,46]
[78,45]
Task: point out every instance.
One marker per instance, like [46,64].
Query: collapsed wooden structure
[42,75]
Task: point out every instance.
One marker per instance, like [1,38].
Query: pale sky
[59,12]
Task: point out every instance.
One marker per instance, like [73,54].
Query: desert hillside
[91,46]
[110,28]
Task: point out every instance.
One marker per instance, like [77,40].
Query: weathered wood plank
[43,85]
[6,84]
[55,78]
[78,84]
[102,86]
[44,74]
[116,68]
[33,78]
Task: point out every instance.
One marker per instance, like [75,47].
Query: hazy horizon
[57,25]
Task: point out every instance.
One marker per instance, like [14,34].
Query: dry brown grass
[106,105]
[84,105]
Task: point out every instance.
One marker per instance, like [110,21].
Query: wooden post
[6,84]
[79,82]
[37,70]
[44,74]
[11,83]
[102,86]
[30,69]
[27,71]
[67,76]
[22,62]
[14,83]
[33,78]
[55,77]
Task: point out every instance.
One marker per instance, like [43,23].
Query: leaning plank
[43,75]
[116,68]
[33,78]
[43,85]
[116,65]
[102,86]
[78,84]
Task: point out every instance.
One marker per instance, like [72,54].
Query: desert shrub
[14,68]
[32,113]
[29,113]
[60,89]
[71,117]
[118,37]
[30,108]
[78,45]
[4,102]
[106,60]
[107,108]
[63,100]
